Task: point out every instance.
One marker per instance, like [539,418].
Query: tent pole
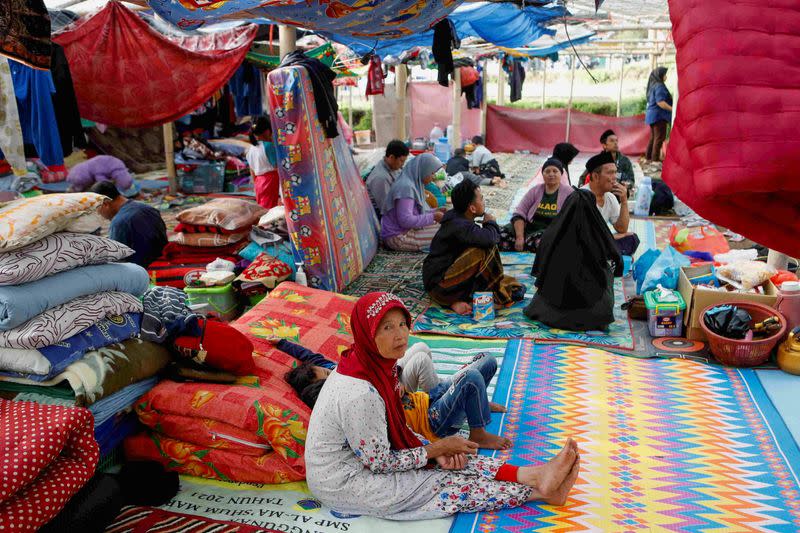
[455,142]
[484,96]
[287,36]
[501,84]
[401,82]
[169,153]
[544,81]
[621,78]
[571,89]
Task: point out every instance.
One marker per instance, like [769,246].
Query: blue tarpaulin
[500,24]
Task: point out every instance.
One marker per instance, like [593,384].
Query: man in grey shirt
[386,172]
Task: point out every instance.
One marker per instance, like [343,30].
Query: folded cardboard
[697,298]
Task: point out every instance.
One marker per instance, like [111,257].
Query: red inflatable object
[126,74]
[734,152]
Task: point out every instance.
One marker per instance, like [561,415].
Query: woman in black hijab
[565,152]
[576,262]
[659,112]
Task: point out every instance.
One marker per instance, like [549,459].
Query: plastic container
[363,136]
[442,149]
[435,134]
[789,303]
[737,352]
[627,263]
[300,276]
[664,318]
[221,300]
[203,178]
[483,306]
[644,195]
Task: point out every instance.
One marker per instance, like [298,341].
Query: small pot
[789,353]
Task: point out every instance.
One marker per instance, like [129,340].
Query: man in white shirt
[385,173]
[608,192]
[484,164]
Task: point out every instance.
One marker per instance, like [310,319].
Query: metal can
[482,306]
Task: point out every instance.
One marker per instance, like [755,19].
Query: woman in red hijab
[362,458]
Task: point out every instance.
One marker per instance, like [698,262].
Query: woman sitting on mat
[362,458]
[538,208]
[408,224]
[437,411]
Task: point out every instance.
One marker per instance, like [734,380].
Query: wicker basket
[742,353]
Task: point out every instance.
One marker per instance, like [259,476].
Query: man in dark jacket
[464,257]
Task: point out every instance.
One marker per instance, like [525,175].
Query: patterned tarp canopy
[382,19]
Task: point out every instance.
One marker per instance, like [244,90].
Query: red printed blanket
[47,453]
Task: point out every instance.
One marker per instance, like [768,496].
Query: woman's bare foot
[496,407]
[547,478]
[559,497]
[488,440]
[462,308]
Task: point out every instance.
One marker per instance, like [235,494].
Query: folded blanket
[48,361]
[101,373]
[180,253]
[47,453]
[105,332]
[64,321]
[20,303]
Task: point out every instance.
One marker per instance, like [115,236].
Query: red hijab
[363,361]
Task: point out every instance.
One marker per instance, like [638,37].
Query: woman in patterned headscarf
[362,458]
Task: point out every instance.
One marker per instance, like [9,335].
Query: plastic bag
[642,265]
[748,274]
[737,255]
[783,276]
[665,270]
[700,239]
[728,321]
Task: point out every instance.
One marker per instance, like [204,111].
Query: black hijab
[656,78]
[574,254]
[565,152]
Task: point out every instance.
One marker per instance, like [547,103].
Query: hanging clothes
[10,129]
[34,90]
[65,103]
[25,32]
[516,79]
[445,40]
[375,76]
[245,85]
[322,83]
[479,88]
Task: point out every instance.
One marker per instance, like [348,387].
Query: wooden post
[287,36]
[485,95]
[544,81]
[401,81]
[501,84]
[169,154]
[621,78]
[455,142]
[571,90]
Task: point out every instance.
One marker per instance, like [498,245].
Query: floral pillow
[267,270]
[226,213]
[207,239]
[28,220]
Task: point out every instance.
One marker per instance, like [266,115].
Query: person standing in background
[658,114]
[265,176]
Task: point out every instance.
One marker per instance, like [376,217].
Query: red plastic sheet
[127,74]
[432,104]
[538,130]
[734,152]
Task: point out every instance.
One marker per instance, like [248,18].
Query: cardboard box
[697,298]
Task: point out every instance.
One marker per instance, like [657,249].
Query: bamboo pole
[455,142]
[544,82]
[501,84]
[484,94]
[169,153]
[621,79]
[287,36]
[401,82]
[571,91]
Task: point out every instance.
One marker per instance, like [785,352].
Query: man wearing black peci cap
[602,171]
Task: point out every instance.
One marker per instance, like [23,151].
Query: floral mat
[396,272]
[511,323]
[666,445]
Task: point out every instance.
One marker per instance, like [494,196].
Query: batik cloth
[476,269]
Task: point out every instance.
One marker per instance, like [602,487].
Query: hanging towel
[374,76]
[322,82]
[70,130]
